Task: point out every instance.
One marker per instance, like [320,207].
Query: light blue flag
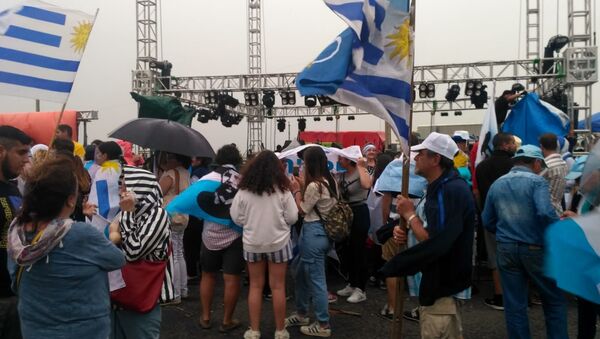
[203,201]
[378,71]
[573,255]
[532,117]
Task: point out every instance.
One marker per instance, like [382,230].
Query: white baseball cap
[438,143]
[464,135]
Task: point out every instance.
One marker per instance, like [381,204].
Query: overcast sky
[209,37]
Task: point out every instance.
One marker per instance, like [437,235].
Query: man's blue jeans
[518,265]
[310,273]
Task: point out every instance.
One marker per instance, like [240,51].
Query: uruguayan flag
[104,193]
[369,65]
[40,49]
[573,255]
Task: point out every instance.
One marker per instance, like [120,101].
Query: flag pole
[62,111]
[396,332]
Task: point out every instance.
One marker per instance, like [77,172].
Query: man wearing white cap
[444,256]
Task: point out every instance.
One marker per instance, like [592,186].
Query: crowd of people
[89,250]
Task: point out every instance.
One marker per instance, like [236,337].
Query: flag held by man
[41,46]
[369,65]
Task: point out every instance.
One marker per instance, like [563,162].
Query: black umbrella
[165,135]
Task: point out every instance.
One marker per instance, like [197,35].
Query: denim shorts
[277,257]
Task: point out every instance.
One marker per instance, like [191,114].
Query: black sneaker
[496,302]
[412,315]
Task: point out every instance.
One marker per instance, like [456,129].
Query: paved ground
[479,321]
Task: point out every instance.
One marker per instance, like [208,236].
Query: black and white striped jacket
[146,233]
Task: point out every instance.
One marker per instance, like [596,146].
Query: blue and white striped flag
[40,49]
[573,255]
[369,65]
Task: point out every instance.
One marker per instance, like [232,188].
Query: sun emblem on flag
[400,41]
[80,36]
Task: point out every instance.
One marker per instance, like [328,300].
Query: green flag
[163,107]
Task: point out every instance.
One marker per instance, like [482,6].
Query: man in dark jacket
[14,155]
[488,171]
[445,256]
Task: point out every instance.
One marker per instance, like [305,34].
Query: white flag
[489,129]
[40,49]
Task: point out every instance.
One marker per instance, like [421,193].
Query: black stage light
[453,93]
[281,125]
[457,113]
[310,101]
[251,98]
[268,99]
[351,117]
[301,124]
[329,118]
[203,115]
[317,119]
[211,97]
[479,96]
[444,114]
[287,97]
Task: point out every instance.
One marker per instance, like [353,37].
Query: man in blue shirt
[518,209]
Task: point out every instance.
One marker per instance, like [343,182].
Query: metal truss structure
[86,117]
[574,72]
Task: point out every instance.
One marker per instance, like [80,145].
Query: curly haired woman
[265,208]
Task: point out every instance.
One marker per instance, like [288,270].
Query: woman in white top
[174,180]
[265,208]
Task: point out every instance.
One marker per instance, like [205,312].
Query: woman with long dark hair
[315,195]
[59,266]
[265,208]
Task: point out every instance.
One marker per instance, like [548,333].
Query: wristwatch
[414,215]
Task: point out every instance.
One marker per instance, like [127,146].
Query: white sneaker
[346,291]
[283,334]
[357,296]
[252,334]
[315,330]
[296,320]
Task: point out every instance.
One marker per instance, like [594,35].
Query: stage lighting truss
[288,97]
[251,98]
[426,90]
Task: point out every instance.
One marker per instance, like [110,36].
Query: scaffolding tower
[255,117]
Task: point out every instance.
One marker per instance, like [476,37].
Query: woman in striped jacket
[145,234]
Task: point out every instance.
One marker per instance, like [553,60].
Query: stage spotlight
[479,96]
[203,115]
[281,125]
[317,119]
[251,98]
[453,93]
[228,100]
[287,97]
[351,117]
[211,97]
[301,124]
[310,101]
[457,113]
[268,99]
[426,90]
[444,114]
[329,118]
